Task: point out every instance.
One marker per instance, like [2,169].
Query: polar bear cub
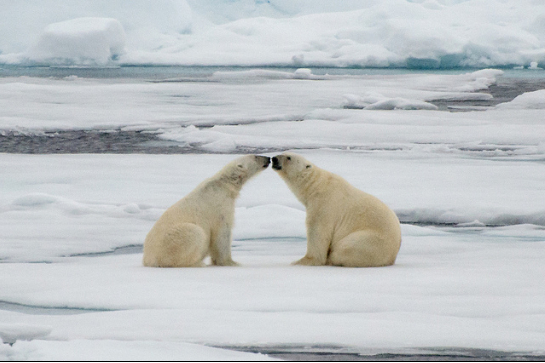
[200,224]
[345,226]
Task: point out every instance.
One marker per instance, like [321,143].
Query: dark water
[154,73]
[47,310]
[334,353]
[142,73]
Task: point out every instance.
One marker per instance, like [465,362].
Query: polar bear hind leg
[184,245]
[361,249]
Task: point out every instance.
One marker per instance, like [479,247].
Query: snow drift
[528,100]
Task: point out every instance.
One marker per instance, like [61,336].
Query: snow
[376,101]
[257,74]
[447,289]
[10,333]
[394,33]
[467,186]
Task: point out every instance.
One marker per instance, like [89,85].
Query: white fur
[345,226]
[200,224]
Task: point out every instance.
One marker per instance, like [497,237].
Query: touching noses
[276,163]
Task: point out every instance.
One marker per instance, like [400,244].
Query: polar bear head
[291,166]
[245,167]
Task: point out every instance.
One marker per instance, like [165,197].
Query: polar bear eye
[240,166]
[289,158]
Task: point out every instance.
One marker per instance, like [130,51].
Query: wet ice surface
[467,186]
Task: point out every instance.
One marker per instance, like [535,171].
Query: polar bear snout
[276,164]
[263,159]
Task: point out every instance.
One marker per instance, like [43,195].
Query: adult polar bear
[200,224]
[345,226]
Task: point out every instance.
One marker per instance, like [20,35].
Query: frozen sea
[459,155]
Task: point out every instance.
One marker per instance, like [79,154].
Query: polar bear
[345,226]
[200,224]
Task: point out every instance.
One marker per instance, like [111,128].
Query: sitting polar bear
[345,226]
[200,224]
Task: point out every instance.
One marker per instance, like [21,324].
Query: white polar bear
[345,226]
[200,224]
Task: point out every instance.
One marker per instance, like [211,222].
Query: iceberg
[88,41]
[431,34]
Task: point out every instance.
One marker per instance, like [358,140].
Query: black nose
[276,164]
[267,162]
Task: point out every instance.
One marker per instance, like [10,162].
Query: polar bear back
[348,208]
[206,206]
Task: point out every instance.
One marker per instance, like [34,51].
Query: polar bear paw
[308,261]
[226,263]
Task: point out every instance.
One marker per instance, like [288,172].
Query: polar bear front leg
[220,248]
[318,242]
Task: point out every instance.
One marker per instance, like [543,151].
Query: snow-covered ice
[467,186]
[10,333]
[254,109]
[116,350]
[376,101]
[302,33]
[528,100]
